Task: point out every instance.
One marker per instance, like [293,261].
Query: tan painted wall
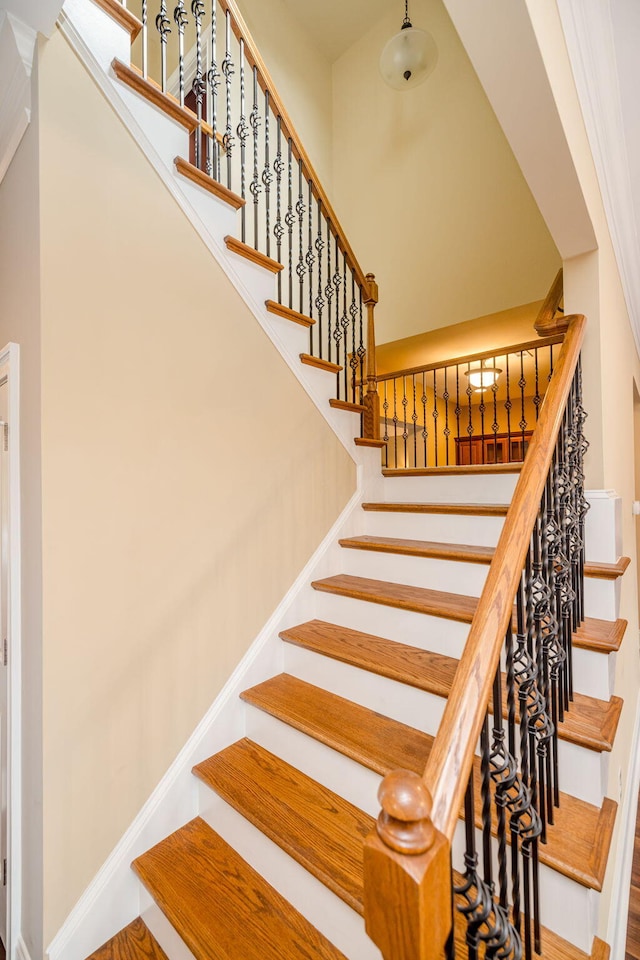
[592,286]
[20,322]
[165,545]
[430,194]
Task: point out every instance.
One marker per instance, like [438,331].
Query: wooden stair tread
[606,571]
[464,509]
[578,844]
[317,828]
[133,942]
[202,179]
[369,442]
[479,468]
[421,548]
[321,364]
[254,256]
[590,723]
[287,313]
[428,671]
[346,405]
[221,907]
[603,636]
[152,92]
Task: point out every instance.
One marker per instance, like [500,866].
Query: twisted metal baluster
[163,26]
[344,320]
[405,432]
[508,404]
[289,218]
[435,415]
[469,392]
[227,73]
[336,280]
[319,301]
[447,431]
[495,426]
[255,187]
[457,412]
[425,432]
[213,78]
[353,310]
[198,86]
[328,292]
[482,407]
[300,212]
[278,230]
[362,351]
[181,20]
[414,419]
[537,399]
[241,131]
[385,411]
[144,38]
[395,421]
[267,175]
[487,922]
[522,383]
[310,257]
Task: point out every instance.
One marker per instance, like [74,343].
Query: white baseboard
[617,929]
[112,899]
[21,952]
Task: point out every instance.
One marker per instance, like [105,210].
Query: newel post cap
[372,289]
[404,823]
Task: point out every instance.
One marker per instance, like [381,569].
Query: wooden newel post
[407,874]
[371,417]
[548,323]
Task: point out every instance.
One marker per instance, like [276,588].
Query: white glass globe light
[408,58]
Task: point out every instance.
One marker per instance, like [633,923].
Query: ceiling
[336,24]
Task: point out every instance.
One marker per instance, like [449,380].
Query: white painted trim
[10,358]
[21,950]
[588,28]
[17,48]
[76,938]
[617,929]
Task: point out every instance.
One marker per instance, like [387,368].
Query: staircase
[272,865]
[360,695]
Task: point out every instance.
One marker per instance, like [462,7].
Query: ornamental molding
[17,50]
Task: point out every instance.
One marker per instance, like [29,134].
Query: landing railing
[511,690]
[477,409]
[202,54]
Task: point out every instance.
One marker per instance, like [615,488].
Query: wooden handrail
[265,81]
[473,357]
[449,764]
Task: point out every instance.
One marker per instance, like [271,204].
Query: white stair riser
[449,575]
[603,526]
[416,708]
[463,488]
[338,922]
[168,136]
[594,673]
[218,217]
[166,935]
[416,629]
[601,598]
[442,527]
[103,36]
[581,770]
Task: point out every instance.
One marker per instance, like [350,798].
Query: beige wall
[165,544]
[20,322]
[431,196]
[592,286]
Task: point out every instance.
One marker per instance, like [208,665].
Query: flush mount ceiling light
[483,377]
[409,57]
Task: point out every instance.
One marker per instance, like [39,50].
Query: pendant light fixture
[409,57]
[483,377]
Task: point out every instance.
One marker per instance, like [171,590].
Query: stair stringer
[96,39]
[115,896]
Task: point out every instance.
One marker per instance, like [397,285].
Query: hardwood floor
[633,926]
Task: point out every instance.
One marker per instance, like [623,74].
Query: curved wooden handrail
[450,761]
[536,344]
[265,81]
[546,321]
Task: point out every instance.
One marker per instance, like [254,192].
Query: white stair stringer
[87,28]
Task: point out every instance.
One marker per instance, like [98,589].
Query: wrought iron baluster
[267,175]
[328,292]
[320,301]
[181,20]
[362,352]
[457,411]
[482,409]
[213,77]
[353,310]
[310,257]
[395,421]
[337,281]
[435,418]
[522,382]
[495,426]
[469,392]
[255,187]
[300,212]
[537,399]
[163,26]
[227,73]
[425,432]
[385,413]
[289,217]
[198,85]
[447,431]
[345,329]
[241,131]
[405,433]
[278,230]
[414,418]
[144,16]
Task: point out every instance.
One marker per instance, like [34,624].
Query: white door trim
[10,365]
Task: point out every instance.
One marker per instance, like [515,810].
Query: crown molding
[17,49]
